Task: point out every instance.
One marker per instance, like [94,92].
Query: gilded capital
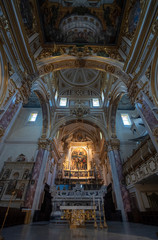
[44,143]
[113,144]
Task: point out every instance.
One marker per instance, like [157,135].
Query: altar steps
[59,221]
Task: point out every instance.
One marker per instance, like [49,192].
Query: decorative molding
[145,170]
[145,150]
[65,62]
[80,110]
[80,52]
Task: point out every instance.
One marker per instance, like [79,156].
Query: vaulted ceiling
[78,28]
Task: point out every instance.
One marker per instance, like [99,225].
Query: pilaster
[33,193]
[122,195]
[149,117]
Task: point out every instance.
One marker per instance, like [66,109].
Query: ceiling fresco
[81,22]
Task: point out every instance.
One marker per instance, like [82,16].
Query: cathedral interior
[78,113]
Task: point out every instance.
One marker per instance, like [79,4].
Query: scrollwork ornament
[110,68]
[48,68]
[80,111]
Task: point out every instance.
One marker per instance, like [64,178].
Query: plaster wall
[23,136]
[126,135]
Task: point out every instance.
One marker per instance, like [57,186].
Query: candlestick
[99,204]
[101,226]
[94,213]
[105,224]
[10,201]
[93,201]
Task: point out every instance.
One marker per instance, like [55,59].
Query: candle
[99,204]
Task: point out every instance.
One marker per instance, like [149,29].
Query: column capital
[43,143]
[113,144]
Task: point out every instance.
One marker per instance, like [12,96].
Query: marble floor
[49,231]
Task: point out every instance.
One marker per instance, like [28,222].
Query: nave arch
[114,67]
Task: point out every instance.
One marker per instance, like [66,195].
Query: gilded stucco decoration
[44,143]
[3,74]
[154,78]
[80,111]
[132,14]
[98,63]
[80,52]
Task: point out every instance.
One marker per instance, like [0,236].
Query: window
[126,120]
[96,102]
[63,102]
[101,136]
[50,102]
[32,117]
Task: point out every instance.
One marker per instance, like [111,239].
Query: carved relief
[146,169]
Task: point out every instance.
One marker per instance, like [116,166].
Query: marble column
[8,116]
[149,117]
[122,195]
[34,190]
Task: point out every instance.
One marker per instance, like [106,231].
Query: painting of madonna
[79,159]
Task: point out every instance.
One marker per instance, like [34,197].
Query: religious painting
[6,174]
[11,187]
[79,159]
[26,174]
[26,13]
[1,187]
[134,15]
[80,22]
[20,191]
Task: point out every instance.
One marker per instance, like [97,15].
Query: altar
[78,205]
[77,215]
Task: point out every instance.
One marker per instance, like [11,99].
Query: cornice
[141,36]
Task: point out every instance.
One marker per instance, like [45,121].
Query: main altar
[79,205]
[78,193]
